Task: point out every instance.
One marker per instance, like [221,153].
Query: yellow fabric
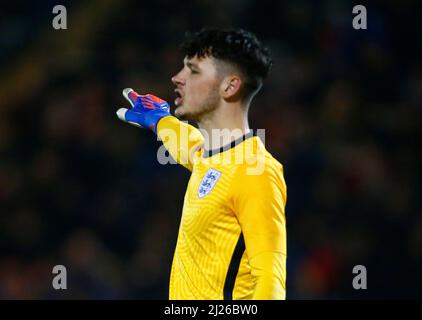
[248,198]
[269,271]
[180,139]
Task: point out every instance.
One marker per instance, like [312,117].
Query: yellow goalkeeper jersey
[232,234]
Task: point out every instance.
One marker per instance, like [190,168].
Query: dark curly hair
[236,47]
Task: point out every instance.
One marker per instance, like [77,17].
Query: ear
[230,87]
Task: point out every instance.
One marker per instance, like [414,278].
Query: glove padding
[146,110]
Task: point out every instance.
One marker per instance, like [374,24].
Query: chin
[182,113]
[179,112]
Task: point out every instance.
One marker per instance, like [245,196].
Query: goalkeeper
[232,234]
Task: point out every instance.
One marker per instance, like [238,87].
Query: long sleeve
[259,204]
[180,139]
[269,272]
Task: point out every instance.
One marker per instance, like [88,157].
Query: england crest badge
[208,182]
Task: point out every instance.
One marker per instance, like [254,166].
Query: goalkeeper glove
[146,110]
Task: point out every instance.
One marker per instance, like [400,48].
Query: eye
[193,71]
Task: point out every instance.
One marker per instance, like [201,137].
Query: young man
[232,235]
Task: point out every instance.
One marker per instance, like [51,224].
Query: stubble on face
[204,109]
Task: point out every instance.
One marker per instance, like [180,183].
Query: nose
[178,80]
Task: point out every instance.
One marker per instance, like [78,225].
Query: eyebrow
[190,65]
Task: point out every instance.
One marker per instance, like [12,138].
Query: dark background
[341,109]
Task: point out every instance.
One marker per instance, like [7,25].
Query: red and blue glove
[146,110]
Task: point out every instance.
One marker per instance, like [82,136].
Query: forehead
[203,62]
[211,64]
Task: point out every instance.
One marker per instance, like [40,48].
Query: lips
[179,97]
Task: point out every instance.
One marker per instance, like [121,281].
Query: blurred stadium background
[80,188]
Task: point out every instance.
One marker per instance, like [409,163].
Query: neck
[224,125]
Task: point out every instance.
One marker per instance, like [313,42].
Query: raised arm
[149,111]
[180,139]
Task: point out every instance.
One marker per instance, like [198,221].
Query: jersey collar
[210,153]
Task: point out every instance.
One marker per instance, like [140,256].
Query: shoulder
[258,162]
[260,174]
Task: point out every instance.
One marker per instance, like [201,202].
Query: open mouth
[179,98]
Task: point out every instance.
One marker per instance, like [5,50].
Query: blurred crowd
[79,188]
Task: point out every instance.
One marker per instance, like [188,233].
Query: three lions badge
[208,182]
